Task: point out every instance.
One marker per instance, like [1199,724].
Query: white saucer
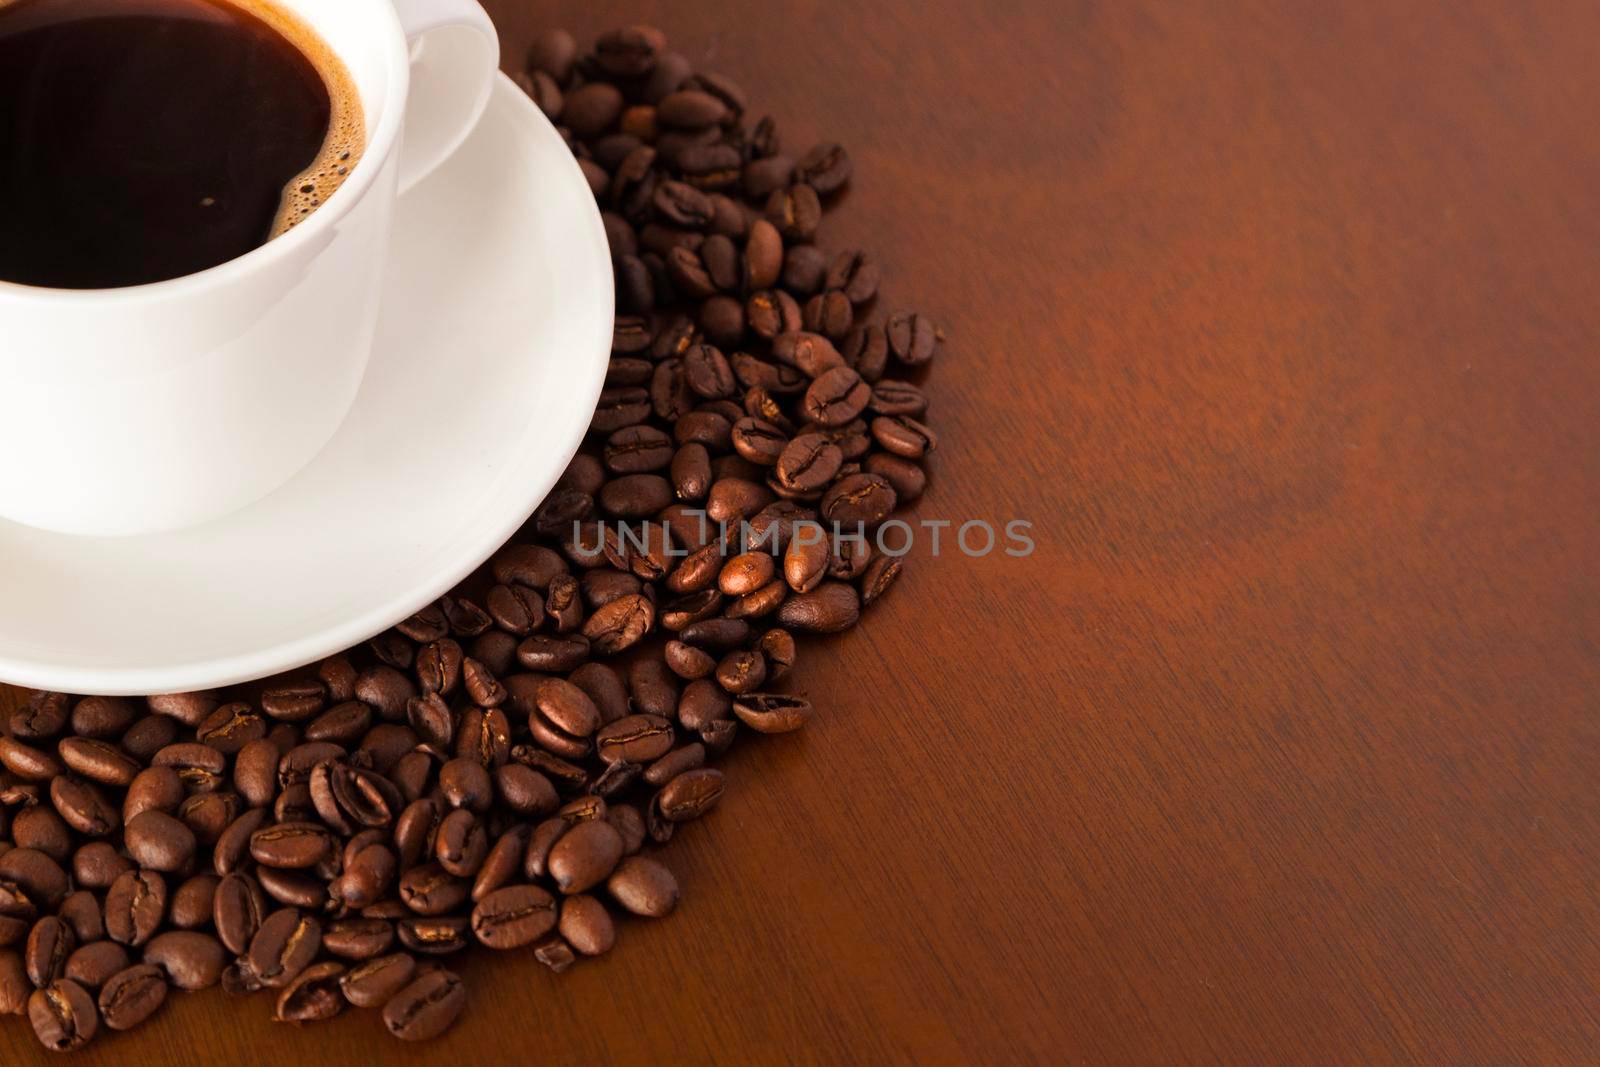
[490,357]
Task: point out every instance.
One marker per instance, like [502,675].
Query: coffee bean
[190,960]
[435,936]
[808,464]
[285,945]
[135,906]
[690,794]
[49,944]
[238,908]
[836,397]
[99,761]
[26,762]
[772,713]
[913,338]
[94,964]
[795,211]
[192,902]
[583,856]
[132,995]
[644,887]
[63,1015]
[372,984]
[313,996]
[554,52]
[591,109]
[159,842]
[190,709]
[291,844]
[426,1007]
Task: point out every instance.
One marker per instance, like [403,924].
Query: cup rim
[341,203]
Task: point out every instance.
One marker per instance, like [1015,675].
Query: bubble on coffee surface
[347,131]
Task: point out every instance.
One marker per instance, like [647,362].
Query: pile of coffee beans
[492,769]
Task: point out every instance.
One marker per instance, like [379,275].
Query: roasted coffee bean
[193,902]
[644,887]
[100,718]
[63,1015]
[427,624]
[830,608]
[81,911]
[255,774]
[836,397]
[26,762]
[386,691]
[906,478]
[867,350]
[98,761]
[39,827]
[358,939]
[426,1007]
[688,662]
[634,739]
[430,890]
[759,441]
[190,709]
[795,211]
[438,936]
[338,676]
[879,577]
[285,945]
[190,960]
[741,671]
[156,789]
[461,843]
[295,889]
[514,917]
[393,649]
[769,313]
[159,842]
[231,727]
[691,794]
[524,790]
[98,864]
[552,653]
[772,713]
[14,984]
[583,856]
[829,314]
[209,814]
[49,944]
[620,624]
[136,905]
[373,983]
[149,735]
[132,995]
[913,338]
[96,963]
[586,925]
[294,702]
[291,845]
[805,562]
[343,724]
[591,109]
[238,908]
[903,436]
[439,666]
[313,996]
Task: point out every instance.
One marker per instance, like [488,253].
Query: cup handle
[454,55]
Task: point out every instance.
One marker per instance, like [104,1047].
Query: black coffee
[142,140]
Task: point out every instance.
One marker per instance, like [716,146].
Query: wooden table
[1280,323]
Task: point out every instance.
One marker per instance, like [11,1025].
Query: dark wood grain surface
[1281,322]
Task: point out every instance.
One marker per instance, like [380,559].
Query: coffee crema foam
[347,128]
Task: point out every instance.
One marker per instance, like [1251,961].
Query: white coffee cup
[153,407]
